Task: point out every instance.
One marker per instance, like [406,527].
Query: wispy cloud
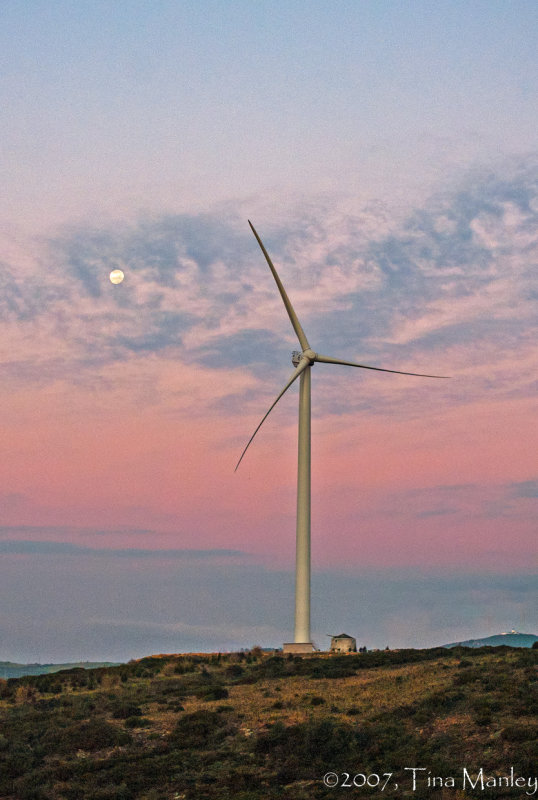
[30,547]
[525,489]
[436,512]
[209,634]
[64,530]
[453,285]
[470,501]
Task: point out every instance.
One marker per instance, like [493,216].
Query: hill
[9,669]
[512,639]
[253,726]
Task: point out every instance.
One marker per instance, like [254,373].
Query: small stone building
[343,644]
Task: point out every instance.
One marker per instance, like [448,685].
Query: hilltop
[253,726]
[512,639]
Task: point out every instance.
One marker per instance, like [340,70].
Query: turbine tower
[303,362]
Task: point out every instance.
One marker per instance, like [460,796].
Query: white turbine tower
[303,362]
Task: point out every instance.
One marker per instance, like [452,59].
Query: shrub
[329,670]
[317,700]
[520,733]
[110,680]
[25,694]
[234,671]
[125,710]
[201,729]
[30,788]
[302,751]
[137,722]
[96,734]
[468,676]
[526,657]
[214,692]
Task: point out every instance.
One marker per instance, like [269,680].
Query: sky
[386,152]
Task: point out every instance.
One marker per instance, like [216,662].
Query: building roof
[343,636]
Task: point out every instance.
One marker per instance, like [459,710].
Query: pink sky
[405,470]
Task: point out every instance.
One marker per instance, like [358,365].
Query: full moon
[116,276]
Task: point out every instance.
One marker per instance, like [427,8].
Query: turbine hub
[297,356]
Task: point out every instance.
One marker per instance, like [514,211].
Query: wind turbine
[303,362]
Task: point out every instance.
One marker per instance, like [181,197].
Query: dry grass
[367,694]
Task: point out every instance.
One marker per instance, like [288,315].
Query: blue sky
[185,104]
[387,154]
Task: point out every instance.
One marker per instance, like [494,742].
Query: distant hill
[512,639]
[8,669]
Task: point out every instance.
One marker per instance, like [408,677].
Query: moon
[116,276]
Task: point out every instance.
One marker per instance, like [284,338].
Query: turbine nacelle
[297,356]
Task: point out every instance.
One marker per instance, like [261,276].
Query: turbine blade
[329,360]
[289,308]
[300,368]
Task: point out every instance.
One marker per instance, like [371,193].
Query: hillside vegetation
[251,726]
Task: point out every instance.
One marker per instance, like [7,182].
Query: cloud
[469,501]
[451,288]
[63,530]
[524,489]
[210,634]
[31,547]
[436,512]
